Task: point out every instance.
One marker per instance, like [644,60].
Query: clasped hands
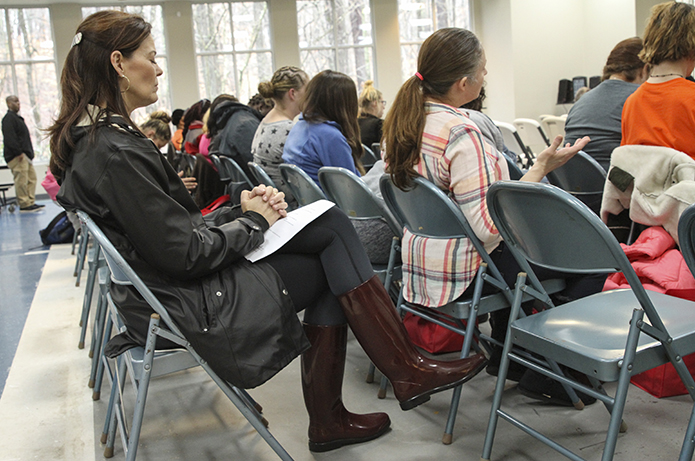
[265,200]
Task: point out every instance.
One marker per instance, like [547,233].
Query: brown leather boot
[331,426]
[380,331]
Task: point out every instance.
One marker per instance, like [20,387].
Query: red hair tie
[419,75]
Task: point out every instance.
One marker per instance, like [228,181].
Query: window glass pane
[452,13]
[31,34]
[315,23]
[356,62]
[409,60]
[212,27]
[216,75]
[154,15]
[4,44]
[415,20]
[37,89]
[353,22]
[251,26]
[252,68]
[314,61]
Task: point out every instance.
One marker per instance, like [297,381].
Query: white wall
[532,44]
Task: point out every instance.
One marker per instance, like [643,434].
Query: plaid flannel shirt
[456,158]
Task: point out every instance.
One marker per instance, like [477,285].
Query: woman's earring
[127,80]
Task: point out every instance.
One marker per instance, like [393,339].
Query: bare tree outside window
[28,70]
[337,35]
[155,16]
[232,44]
[417,19]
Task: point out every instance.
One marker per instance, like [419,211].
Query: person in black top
[18,154]
[372,107]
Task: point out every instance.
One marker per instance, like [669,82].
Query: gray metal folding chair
[426,211]
[302,186]
[81,255]
[605,335]
[261,175]
[583,177]
[359,203]
[143,365]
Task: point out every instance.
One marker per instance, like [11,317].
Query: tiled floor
[47,413]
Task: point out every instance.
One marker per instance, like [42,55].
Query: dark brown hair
[332,96]
[89,78]
[624,59]
[445,57]
[670,33]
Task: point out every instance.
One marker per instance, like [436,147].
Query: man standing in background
[18,154]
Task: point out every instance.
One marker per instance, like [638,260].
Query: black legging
[324,260]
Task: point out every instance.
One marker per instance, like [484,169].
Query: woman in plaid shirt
[427,135]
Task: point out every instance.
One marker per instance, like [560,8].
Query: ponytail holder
[419,75]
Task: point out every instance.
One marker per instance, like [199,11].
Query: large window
[419,18]
[28,70]
[232,44]
[152,14]
[337,35]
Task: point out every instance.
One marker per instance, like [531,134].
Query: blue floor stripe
[22,258]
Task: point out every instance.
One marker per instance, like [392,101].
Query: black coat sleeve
[160,220]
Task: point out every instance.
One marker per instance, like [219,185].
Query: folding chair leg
[97,338]
[689,441]
[96,393]
[502,374]
[81,258]
[623,384]
[370,373]
[115,406]
[143,387]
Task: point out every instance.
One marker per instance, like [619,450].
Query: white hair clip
[76,39]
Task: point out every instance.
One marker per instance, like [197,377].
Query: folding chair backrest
[532,134]
[261,175]
[551,228]
[353,196]
[303,187]
[580,175]
[553,126]
[426,211]
[221,169]
[369,158]
[512,139]
[123,274]
[234,171]
[686,236]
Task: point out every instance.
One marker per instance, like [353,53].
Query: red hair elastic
[419,75]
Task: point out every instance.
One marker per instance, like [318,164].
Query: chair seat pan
[165,361]
[590,334]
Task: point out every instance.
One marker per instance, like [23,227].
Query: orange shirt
[661,114]
[177,139]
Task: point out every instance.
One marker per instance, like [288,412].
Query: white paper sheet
[284,229]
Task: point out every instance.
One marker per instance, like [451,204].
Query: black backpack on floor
[59,230]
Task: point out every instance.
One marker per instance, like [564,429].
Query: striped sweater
[454,157]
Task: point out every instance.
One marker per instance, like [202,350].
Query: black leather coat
[237,315]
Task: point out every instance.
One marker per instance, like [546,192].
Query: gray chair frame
[233,177]
[583,177]
[427,211]
[123,274]
[686,239]
[304,189]
[605,335]
[261,175]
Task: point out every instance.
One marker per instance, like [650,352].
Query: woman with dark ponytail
[425,134]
